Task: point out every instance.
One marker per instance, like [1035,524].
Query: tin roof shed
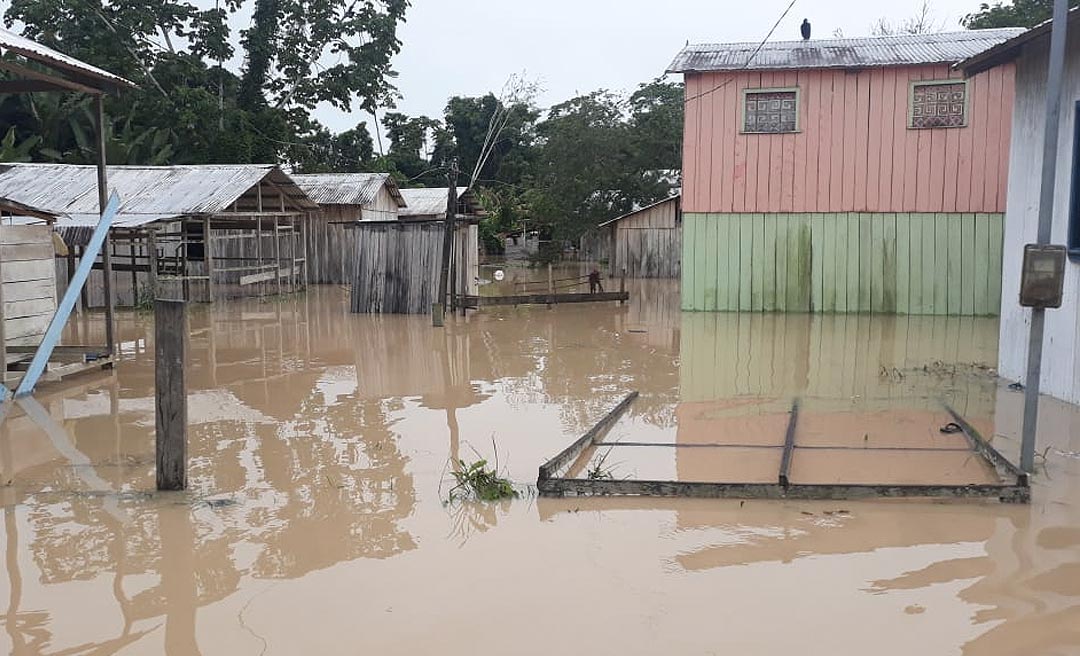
[147,193]
[347,188]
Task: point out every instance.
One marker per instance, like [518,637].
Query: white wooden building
[1061,354]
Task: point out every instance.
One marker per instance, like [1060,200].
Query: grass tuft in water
[478,481]
[600,471]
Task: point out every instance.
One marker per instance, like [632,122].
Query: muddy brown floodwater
[319,448]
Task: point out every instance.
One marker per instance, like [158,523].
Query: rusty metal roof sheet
[347,188]
[901,50]
[147,193]
[430,201]
[32,50]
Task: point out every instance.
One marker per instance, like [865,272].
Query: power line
[749,59]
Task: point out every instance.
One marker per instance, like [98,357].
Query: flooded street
[320,449]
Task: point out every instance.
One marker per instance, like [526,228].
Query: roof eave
[1009,50]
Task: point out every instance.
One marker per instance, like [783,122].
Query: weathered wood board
[29,280]
[884,263]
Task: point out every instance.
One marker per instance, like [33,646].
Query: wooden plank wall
[397,267]
[331,246]
[648,244]
[917,263]
[854,151]
[29,279]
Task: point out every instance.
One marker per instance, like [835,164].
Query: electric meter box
[1042,278]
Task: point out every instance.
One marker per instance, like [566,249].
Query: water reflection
[320,442]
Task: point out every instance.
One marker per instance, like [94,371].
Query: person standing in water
[594,281]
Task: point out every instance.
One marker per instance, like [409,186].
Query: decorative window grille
[770,111]
[938,104]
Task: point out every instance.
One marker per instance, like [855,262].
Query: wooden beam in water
[570,453]
[789,445]
[544,299]
[1000,463]
[560,487]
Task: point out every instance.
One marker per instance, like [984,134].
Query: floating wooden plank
[789,445]
[563,487]
[268,275]
[544,299]
[1001,464]
[570,453]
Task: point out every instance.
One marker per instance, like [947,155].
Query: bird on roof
[805,28]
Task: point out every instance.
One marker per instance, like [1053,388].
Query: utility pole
[1046,220]
[438,309]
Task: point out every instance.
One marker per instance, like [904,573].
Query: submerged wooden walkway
[543,299]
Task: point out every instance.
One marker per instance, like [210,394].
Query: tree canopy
[1017,13]
[190,107]
[209,95]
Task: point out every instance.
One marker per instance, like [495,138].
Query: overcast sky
[470,47]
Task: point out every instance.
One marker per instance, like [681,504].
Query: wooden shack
[343,199]
[398,264]
[199,232]
[28,289]
[646,243]
[845,175]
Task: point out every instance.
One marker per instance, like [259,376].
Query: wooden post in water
[551,287]
[170,416]
[622,285]
[438,308]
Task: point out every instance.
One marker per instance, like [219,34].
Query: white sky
[470,47]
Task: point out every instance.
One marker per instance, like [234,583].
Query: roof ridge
[974,34]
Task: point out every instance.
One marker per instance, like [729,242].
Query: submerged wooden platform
[1005,481]
[65,361]
[543,299]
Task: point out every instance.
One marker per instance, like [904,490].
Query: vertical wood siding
[906,263]
[29,283]
[331,246]
[854,151]
[397,265]
[648,244]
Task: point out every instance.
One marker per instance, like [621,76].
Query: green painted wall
[905,263]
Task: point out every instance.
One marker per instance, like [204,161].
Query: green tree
[1017,13]
[600,157]
[297,55]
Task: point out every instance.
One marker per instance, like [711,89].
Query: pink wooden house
[845,175]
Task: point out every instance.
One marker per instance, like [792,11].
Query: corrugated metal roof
[1007,50]
[147,193]
[346,188]
[35,51]
[640,209]
[901,50]
[427,201]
